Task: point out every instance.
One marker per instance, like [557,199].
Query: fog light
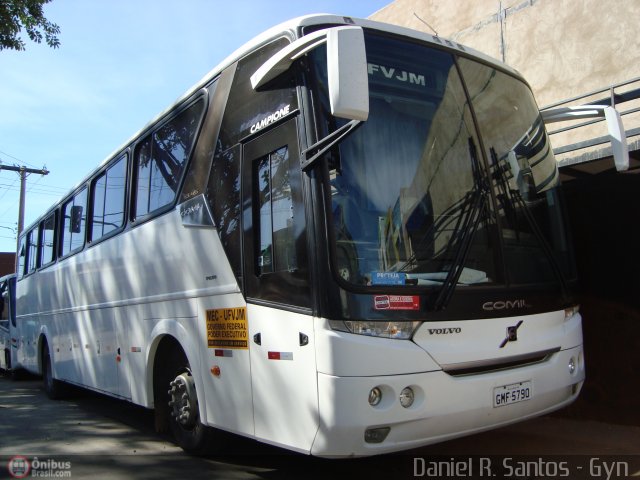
[406,397]
[376,435]
[375,396]
[572,366]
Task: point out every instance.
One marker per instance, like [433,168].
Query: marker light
[406,397]
[375,396]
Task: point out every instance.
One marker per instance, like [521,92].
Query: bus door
[5,325]
[9,309]
[276,285]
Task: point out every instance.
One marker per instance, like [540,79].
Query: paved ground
[106,438]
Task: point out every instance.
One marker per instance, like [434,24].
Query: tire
[182,413]
[55,389]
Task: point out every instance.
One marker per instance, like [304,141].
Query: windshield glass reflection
[420,198]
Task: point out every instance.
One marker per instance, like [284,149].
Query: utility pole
[22,171]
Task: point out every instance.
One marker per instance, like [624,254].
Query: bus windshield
[451,180]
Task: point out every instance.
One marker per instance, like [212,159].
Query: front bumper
[445,406]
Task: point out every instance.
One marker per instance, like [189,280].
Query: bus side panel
[283,377]
[27,326]
[226,370]
[98,349]
[123,352]
[64,345]
[103,308]
[5,348]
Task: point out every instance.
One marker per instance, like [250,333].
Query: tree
[18,14]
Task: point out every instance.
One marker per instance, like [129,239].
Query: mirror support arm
[282,60]
[315,151]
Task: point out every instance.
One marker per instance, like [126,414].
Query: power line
[22,171]
[10,207]
[15,158]
[42,189]
[10,186]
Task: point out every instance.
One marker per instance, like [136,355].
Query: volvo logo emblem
[512,334]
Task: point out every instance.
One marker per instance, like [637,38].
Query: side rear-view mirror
[346,67]
[75,226]
[617,134]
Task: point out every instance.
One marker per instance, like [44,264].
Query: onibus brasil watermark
[20,466]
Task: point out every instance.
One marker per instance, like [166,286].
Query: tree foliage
[18,14]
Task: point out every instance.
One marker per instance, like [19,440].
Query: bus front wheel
[183,414]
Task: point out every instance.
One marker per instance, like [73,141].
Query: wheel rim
[183,401]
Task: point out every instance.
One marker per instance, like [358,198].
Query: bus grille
[497,364]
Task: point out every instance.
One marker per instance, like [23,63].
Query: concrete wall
[7,263]
[563,47]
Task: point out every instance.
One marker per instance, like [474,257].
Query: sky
[120,63]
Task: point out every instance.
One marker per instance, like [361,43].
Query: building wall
[7,263]
[562,47]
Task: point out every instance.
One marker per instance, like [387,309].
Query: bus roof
[292,26]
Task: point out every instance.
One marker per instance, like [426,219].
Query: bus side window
[274,241]
[74,222]
[274,225]
[22,257]
[28,252]
[4,305]
[47,240]
[32,250]
[108,199]
[161,159]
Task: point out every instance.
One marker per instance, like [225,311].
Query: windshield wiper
[467,231]
[468,276]
[514,196]
[473,220]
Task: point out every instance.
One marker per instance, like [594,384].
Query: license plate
[514,393]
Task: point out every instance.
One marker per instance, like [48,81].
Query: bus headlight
[396,330]
[571,311]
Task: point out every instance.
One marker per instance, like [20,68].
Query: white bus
[347,239]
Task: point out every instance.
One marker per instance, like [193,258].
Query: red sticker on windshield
[396,302]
